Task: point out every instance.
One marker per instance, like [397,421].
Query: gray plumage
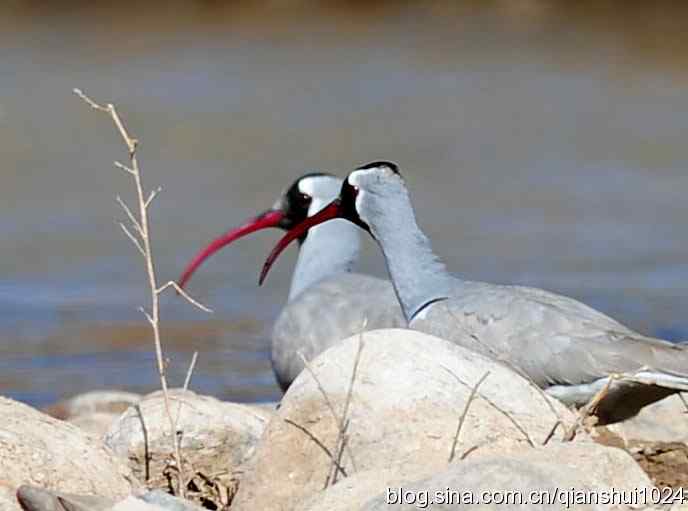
[562,345]
[327,302]
[335,308]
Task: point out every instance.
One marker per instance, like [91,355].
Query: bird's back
[331,310]
[553,338]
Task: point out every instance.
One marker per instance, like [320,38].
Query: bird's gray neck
[330,248]
[419,277]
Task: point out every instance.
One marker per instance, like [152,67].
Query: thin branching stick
[343,436]
[189,373]
[501,358]
[330,406]
[320,444]
[141,239]
[559,421]
[494,405]
[342,422]
[550,435]
[590,408]
[683,400]
[462,419]
[187,381]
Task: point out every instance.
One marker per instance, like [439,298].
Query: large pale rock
[663,421]
[168,502]
[94,411]
[43,451]
[33,498]
[102,401]
[357,489]
[8,501]
[215,436]
[96,423]
[405,409]
[134,504]
[521,477]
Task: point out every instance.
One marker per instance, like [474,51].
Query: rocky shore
[387,413]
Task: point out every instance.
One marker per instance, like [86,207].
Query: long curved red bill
[329,212]
[270,218]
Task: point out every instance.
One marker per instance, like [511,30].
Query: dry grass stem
[341,432]
[548,400]
[142,241]
[320,444]
[474,390]
[550,435]
[494,405]
[342,421]
[469,451]
[133,239]
[589,409]
[683,400]
[186,296]
[343,437]
[189,372]
[526,376]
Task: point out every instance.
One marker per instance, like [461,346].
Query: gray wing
[555,340]
[327,312]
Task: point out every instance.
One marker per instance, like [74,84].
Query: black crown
[380,164]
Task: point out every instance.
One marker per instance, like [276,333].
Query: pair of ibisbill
[567,348]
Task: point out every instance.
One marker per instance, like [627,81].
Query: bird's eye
[304,197]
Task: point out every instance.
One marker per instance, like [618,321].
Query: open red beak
[329,212]
[270,218]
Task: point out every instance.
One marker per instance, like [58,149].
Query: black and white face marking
[305,196]
[304,192]
[380,181]
[348,197]
[361,182]
[381,166]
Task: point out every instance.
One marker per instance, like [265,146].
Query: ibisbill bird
[327,301]
[572,351]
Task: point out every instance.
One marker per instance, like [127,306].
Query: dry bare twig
[500,358]
[548,400]
[187,381]
[474,390]
[320,444]
[589,409]
[494,405]
[683,400]
[550,435]
[142,241]
[189,372]
[343,421]
[343,437]
[330,406]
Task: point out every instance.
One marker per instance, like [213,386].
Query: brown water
[542,145]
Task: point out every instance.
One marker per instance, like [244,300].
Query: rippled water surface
[541,147]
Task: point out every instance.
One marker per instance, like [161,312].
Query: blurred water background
[544,143]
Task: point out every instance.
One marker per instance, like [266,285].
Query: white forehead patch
[357,175]
[320,187]
[307,185]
